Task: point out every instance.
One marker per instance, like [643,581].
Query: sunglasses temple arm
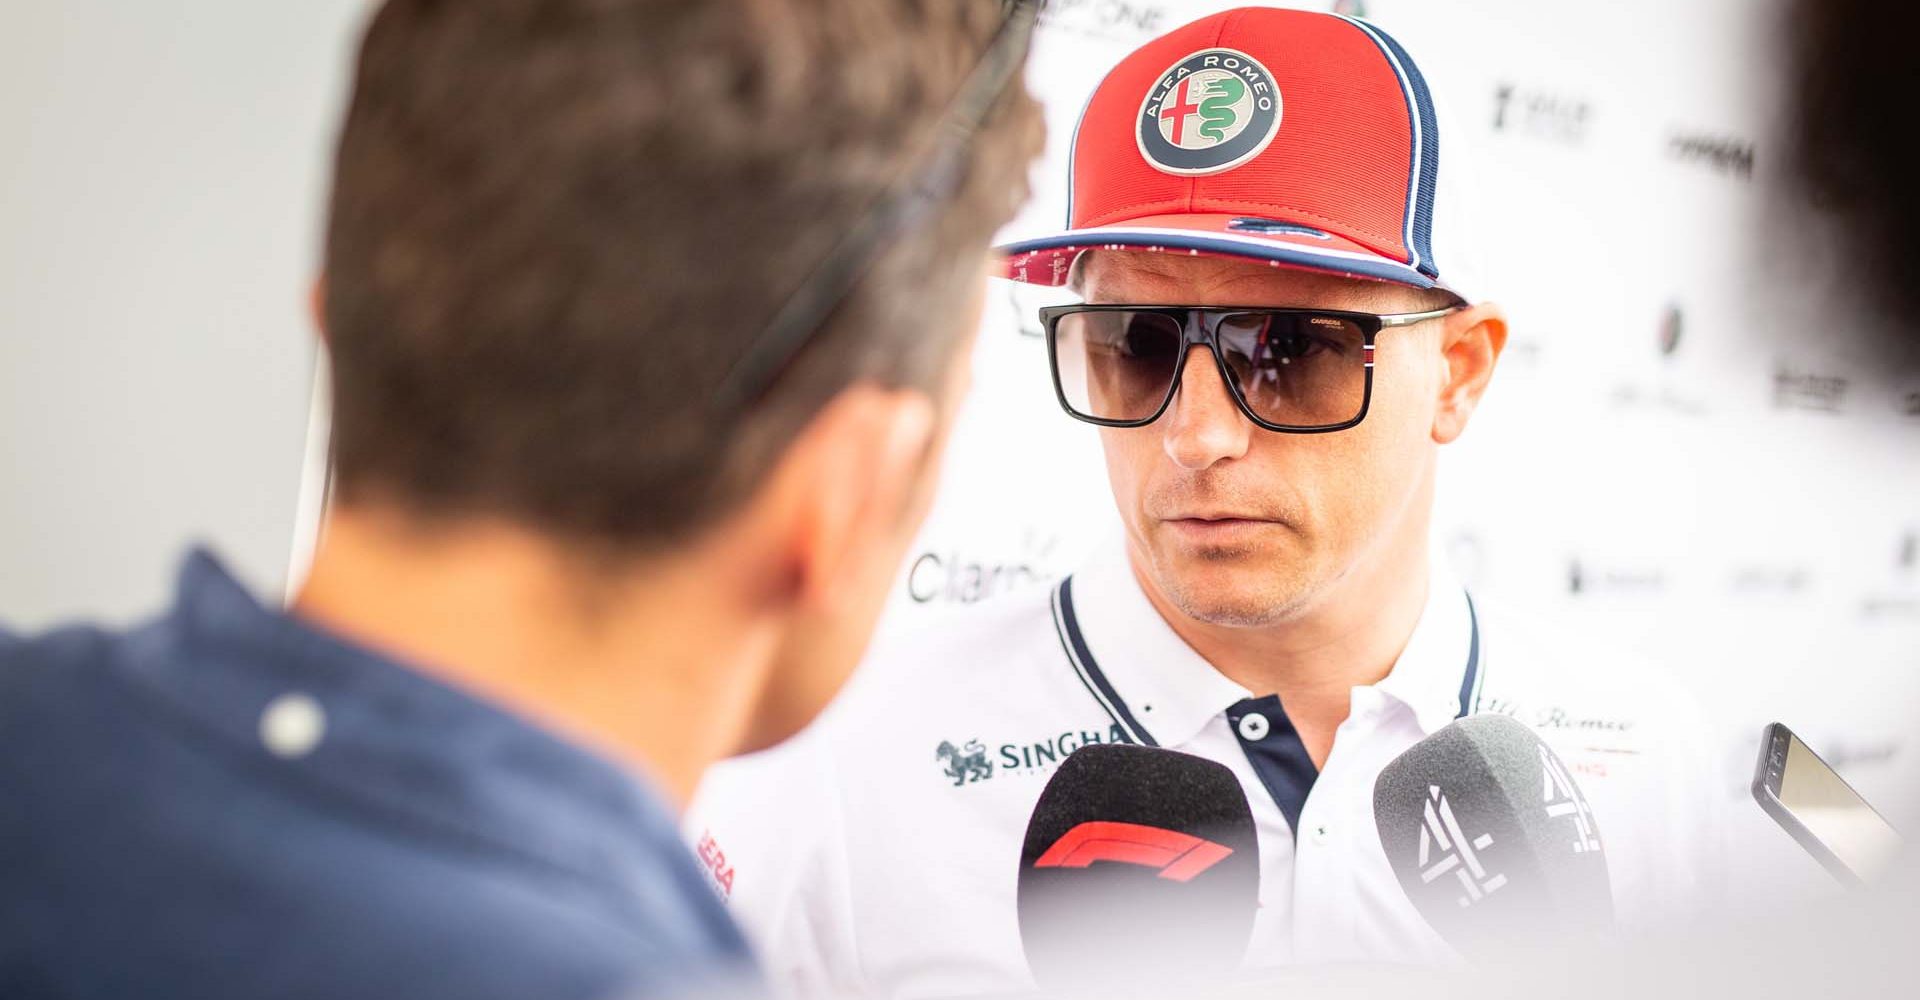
[1409,319]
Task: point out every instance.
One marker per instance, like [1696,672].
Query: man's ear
[1470,342]
[856,480]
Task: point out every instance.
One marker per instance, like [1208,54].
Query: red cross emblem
[1177,110]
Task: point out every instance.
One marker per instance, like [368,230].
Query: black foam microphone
[1139,864]
[1492,840]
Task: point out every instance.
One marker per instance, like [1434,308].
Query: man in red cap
[1280,330]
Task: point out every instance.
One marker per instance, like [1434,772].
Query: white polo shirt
[878,854]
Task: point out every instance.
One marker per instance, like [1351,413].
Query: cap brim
[1047,260]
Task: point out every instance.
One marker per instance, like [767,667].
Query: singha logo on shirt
[970,763]
[964,765]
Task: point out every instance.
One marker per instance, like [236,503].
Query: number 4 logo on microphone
[1457,854]
[1562,799]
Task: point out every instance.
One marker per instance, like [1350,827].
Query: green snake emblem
[1216,110]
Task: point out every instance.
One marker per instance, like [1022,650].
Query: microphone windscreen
[1491,838]
[1139,863]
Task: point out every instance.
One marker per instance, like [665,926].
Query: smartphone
[1814,804]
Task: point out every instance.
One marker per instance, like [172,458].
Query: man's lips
[1217,527]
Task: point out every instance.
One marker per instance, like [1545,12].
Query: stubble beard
[1258,598]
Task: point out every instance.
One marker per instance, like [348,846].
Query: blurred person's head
[1854,146]
[557,226]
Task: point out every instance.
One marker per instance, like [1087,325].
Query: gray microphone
[1492,840]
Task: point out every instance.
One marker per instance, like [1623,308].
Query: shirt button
[292,725]
[1254,727]
[1322,835]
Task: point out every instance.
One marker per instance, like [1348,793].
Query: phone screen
[1835,813]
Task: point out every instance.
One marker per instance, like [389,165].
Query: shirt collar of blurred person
[372,728]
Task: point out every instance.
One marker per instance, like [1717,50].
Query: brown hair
[555,225]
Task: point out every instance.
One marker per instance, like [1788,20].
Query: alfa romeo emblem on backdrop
[1672,324]
[1209,112]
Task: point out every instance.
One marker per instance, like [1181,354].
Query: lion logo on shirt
[965,764]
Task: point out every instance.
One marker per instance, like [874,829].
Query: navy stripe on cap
[1430,155]
[1424,171]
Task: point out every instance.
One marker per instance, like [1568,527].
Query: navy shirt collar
[399,743]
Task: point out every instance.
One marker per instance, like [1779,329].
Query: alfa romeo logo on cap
[1209,112]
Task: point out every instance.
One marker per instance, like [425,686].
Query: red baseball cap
[1303,139]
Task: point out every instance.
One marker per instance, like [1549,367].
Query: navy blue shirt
[229,803]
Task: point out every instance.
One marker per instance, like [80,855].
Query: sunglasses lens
[1297,369]
[1116,365]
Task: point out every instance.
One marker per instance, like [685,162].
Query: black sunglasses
[941,166]
[1294,371]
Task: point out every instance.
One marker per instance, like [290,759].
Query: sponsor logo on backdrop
[960,578]
[1890,607]
[1588,579]
[1208,113]
[1900,599]
[1663,389]
[1541,114]
[1026,311]
[1855,756]
[974,761]
[1523,349]
[1672,324]
[1772,581]
[1908,402]
[1123,20]
[1796,388]
[1722,154]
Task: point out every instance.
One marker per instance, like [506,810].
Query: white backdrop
[1688,455]
[162,179]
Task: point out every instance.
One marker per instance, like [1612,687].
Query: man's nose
[1203,425]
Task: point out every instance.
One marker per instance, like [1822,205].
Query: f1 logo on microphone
[1178,856]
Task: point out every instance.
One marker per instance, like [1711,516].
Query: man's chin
[1230,586]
